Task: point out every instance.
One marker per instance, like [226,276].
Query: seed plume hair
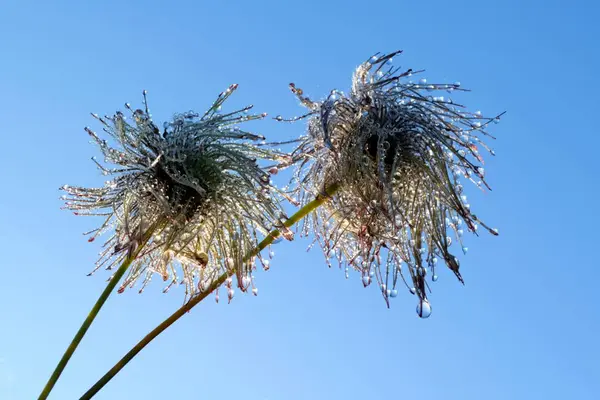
[399,151]
[197,194]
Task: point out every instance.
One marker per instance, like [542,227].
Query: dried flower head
[398,152]
[194,194]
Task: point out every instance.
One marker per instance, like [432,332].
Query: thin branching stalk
[303,212]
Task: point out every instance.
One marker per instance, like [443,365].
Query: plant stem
[91,316]
[303,212]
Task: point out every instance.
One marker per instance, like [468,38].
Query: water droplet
[372,274]
[456,84]
[421,271]
[495,230]
[271,254]
[413,290]
[372,60]
[434,278]
[230,293]
[423,81]
[434,260]
[383,287]
[246,281]
[423,309]
[460,232]
[366,280]
[465,249]
[393,293]
[204,286]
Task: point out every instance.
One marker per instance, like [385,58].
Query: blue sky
[525,326]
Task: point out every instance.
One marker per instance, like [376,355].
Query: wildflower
[399,154]
[188,202]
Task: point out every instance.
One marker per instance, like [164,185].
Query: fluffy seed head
[400,151]
[188,201]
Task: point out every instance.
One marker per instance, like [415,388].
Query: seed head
[400,152]
[188,201]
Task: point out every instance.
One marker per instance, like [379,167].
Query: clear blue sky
[526,324]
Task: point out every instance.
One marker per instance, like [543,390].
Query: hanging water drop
[434,278]
[255,291]
[423,309]
[413,290]
[366,280]
[246,282]
[393,293]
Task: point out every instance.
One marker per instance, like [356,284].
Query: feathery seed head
[399,151]
[194,191]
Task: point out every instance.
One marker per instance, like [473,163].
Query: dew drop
[434,278]
[245,281]
[423,309]
[255,291]
[366,280]
[421,271]
[393,293]
[372,274]
[413,290]
[465,249]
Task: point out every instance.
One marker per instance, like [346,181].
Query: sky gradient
[526,324]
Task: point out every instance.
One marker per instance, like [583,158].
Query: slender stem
[91,316]
[303,212]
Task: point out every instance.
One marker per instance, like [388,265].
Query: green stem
[303,212]
[91,316]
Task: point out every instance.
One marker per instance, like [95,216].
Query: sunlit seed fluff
[398,154]
[197,189]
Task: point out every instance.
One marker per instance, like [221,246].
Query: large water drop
[423,309]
